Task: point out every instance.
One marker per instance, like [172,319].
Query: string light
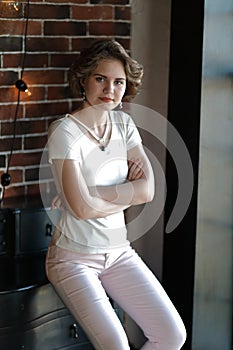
[16,6]
[22,86]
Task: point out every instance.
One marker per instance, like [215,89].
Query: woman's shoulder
[63,124]
[120,116]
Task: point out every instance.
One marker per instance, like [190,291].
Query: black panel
[32,316]
[26,226]
[38,320]
[33,231]
[184,114]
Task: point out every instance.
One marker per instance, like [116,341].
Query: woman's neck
[92,117]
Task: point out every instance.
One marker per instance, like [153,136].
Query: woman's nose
[109,87]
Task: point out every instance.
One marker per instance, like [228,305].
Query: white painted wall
[212,321]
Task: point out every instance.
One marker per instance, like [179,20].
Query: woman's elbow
[149,195]
[150,188]
[148,192]
[78,211]
[86,212]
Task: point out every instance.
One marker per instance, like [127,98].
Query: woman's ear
[82,82]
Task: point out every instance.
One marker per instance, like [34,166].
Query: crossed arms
[100,201]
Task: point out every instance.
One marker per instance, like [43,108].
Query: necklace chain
[100,140]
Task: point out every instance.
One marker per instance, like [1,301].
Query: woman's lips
[106,99]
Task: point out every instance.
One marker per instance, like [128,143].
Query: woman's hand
[57,202]
[135,171]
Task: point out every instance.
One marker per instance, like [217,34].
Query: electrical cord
[21,86]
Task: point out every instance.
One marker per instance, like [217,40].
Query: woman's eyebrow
[104,76]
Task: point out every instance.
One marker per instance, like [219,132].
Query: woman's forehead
[111,67]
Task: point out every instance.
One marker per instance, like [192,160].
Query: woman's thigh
[135,288]
[82,292]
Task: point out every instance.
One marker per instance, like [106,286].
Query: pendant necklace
[101,140]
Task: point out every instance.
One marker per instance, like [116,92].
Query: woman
[101,169]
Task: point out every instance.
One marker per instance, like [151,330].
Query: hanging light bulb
[22,86]
[5,179]
[16,6]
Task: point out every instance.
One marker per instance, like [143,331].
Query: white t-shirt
[100,168]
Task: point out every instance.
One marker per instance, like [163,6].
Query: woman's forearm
[99,207]
[129,193]
[75,195]
[137,189]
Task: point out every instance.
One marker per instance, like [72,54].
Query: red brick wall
[55,35]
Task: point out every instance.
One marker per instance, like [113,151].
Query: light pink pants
[82,281]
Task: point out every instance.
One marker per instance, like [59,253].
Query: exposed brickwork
[55,36]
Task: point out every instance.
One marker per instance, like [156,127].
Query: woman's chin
[106,106]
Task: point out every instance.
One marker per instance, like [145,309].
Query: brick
[7,112]
[24,127]
[7,10]
[11,60]
[31,60]
[14,191]
[37,93]
[8,77]
[113,2]
[11,94]
[50,44]
[25,159]
[46,109]
[9,27]
[34,28]
[8,94]
[43,77]
[35,142]
[92,12]
[62,60]
[37,174]
[2,161]
[80,44]
[70,2]
[6,144]
[17,27]
[65,28]
[123,13]
[11,43]
[32,189]
[109,28]
[32,174]
[55,93]
[49,11]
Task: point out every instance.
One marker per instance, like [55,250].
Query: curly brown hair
[90,58]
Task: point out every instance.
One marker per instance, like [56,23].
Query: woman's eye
[99,79]
[119,82]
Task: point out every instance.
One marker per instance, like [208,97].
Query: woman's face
[106,85]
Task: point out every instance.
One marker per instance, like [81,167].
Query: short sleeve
[63,141]
[133,137]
